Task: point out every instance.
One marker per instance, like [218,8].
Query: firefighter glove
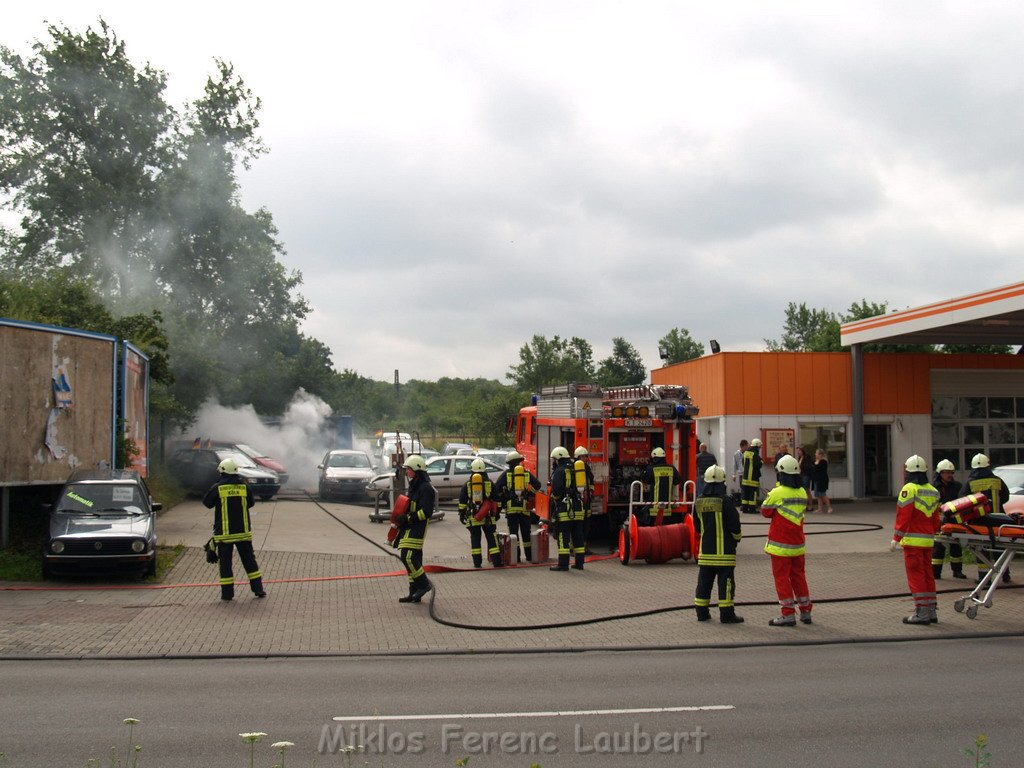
[894,545]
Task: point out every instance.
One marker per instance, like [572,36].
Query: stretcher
[992,539]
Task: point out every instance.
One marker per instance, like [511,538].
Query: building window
[831,438]
[964,426]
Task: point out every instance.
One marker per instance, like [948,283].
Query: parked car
[387,449]
[261,459]
[495,456]
[196,470]
[453,449]
[344,473]
[102,519]
[1013,476]
[447,474]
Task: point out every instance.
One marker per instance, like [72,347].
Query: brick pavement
[343,603]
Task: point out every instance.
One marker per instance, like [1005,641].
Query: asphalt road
[906,704]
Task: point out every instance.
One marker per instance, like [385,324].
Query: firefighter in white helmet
[784,506]
[565,511]
[231,499]
[949,489]
[663,480]
[515,489]
[718,530]
[422,503]
[750,483]
[983,480]
[917,522]
[474,494]
[582,456]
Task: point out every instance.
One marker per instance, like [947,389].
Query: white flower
[130,721]
[282,744]
[253,737]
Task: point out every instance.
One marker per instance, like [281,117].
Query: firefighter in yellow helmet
[750,483]
[717,523]
[422,503]
[515,489]
[582,456]
[477,491]
[983,480]
[664,480]
[565,511]
[231,499]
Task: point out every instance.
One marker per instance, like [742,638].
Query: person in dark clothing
[718,529]
[478,490]
[750,483]
[819,482]
[413,528]
[983,480]
[566,511]
[231,499]
[514,490]
[948,489]
[581,454]
[704,459]
[806,471]
[664,480]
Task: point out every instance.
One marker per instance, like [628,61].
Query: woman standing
[819,482]
[806,470]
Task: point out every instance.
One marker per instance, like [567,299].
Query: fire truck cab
[619,426]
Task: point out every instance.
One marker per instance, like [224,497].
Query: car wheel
[266,496]
[47,571]
[151,567]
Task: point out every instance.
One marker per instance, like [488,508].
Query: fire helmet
[227,467]
[945,466]
[658,453]
[788,465]
[415,462]
[478,465]
[513,456]
[714,474]
[916,464]
[580,451]
[755,443]
[979,461]
[558,452]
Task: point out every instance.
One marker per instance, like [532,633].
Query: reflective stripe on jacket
[917,518]
[785,508]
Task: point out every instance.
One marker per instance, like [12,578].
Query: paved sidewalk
[333,592]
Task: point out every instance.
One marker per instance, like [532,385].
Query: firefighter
[474,493]
[582,455]
[422,502]
[750,483]
[516,488]
[983,480]
[784,506]
[948,489]
[917,522]
[231,499]
[663,479]
[718,529]
[566,511]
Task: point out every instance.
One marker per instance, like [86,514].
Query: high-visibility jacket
[230,499]
[917,515]
[662,478]
[785,507]
[718,529]
[983,480]
[469,502]
[751,468]
[422,503]
[515,500]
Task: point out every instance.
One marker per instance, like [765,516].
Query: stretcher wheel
[958,606]
[972,612]
[988,603]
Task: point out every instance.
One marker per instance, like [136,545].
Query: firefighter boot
[783,621]
[805,617]
[921,615]
[703,613]
[578,565]
[937,571]
[1006,576]
[256,585]
[408,597]
[496,561]
[563,564]
[422,588]
[958,573]
[728,616]
[933,615]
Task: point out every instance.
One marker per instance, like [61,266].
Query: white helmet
[979,461]
[478,465]
[580,451]
[558,452]
[658,453]
[227,467]
[788,465]
[916,464]
[945,466]
[513,456]
[415,462]
[714,474]
[755,443]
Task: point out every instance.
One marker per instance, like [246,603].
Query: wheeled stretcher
[994,540]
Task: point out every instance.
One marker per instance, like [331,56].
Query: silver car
[447,474]
[344,473]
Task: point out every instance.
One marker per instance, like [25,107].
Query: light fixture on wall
[715,348]
[899,425]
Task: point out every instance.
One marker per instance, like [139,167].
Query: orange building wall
[741,383]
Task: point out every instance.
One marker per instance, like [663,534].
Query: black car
[102,519]
[196,469]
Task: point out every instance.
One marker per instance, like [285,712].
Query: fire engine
[619,426]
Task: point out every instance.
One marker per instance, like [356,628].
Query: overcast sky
[454,177]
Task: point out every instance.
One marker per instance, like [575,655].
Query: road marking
[558,713]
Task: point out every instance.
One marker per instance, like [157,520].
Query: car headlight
[57,547]
[251,480]
[138,546]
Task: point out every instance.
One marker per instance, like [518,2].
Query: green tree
[980,349]
[624,365]
[543,362]
[679,346]
[807,330]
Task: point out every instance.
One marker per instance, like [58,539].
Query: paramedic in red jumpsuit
[917,522]
[784,506]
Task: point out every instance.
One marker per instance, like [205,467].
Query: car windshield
[239,458]
[249,451]
[349,461]
[1013,477]
[97,498]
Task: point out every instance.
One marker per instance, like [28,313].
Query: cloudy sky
[454,177]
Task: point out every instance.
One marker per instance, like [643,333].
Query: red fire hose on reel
[657,543]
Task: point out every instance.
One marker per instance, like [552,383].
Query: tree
[807,330]
[543,362]
[679,346]
[624,365]
[978,349]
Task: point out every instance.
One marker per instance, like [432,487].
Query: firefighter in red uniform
[718,527]
[231,499]
[475,492]
[750,483]
[983,480]
[515,488]
[566,511]
[785,507]
[948,489]
[663,479]
[917,522]
[422,502]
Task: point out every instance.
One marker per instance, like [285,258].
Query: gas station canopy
[994,316]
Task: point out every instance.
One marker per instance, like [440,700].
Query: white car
[344,473]
[447,474]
